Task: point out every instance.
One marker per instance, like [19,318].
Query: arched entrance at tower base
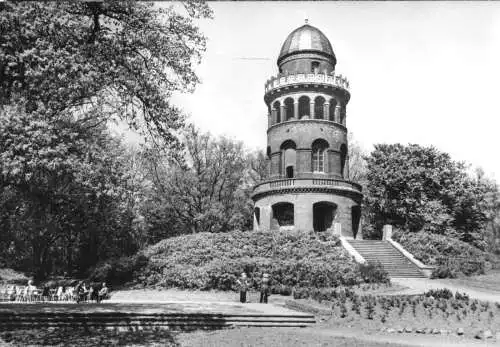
[323,215]
[283,213]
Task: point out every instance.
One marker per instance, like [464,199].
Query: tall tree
[417,188]
[491,209]
[357,161]
[62,187]
[100,60]
[207,191]
[66,70]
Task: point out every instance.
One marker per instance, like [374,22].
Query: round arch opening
[283,212]
[324,213]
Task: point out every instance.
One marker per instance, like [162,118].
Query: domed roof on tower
[306,38]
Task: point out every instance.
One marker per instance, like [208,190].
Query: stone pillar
[343,217]
[330,162]
[335,164]
[269,120]
[387,232]
[359,235]
[311,110]
[342,116]
[337,229]
[273,116]
[296,109]
[283,113]
[345,174]
[276,165]
[326,110]
[337,113]
[303,216]
[266,213]
[304,161]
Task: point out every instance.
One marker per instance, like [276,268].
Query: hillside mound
[214,261]
[451,256]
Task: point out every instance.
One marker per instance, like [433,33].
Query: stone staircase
[12,319]
[393,261]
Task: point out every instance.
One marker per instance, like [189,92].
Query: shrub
[461,296]
[373,273]
[214,261]
[444,271]
[118,270]
[439,293]
[451,256]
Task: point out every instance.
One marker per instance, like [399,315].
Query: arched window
[277,109]
[289,157]
[333,104]
[319,112]
[342,115]
[343,157]
[319,148]
[315,67]
[304,106]
[289,108]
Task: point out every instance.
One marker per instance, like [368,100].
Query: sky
[419,72]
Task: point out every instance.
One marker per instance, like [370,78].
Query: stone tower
[307,187]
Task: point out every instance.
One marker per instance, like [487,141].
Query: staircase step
[120,320]
[393,261]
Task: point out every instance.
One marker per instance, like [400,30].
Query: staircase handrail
[425,268]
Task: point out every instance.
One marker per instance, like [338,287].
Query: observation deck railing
[305,182]
[282,80]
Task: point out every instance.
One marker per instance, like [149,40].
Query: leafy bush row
[445,293]
[214,261]
[451,257]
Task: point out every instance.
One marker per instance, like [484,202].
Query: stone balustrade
[282,80]
[305,183]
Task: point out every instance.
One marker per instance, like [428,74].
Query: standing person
[103,293]
[264,288]
[244,283]
[79,290]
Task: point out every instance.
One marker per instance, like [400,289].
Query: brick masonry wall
[304,133]
[303,210]
[301,62]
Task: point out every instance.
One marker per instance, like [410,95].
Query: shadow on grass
[88,337]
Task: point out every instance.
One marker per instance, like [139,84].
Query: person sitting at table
[46,293]
[81,292]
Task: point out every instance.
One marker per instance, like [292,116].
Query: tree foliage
[416,187]
[64,193]
[207,191]
[100,60]
[70,193]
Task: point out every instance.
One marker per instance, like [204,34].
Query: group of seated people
[80,292]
